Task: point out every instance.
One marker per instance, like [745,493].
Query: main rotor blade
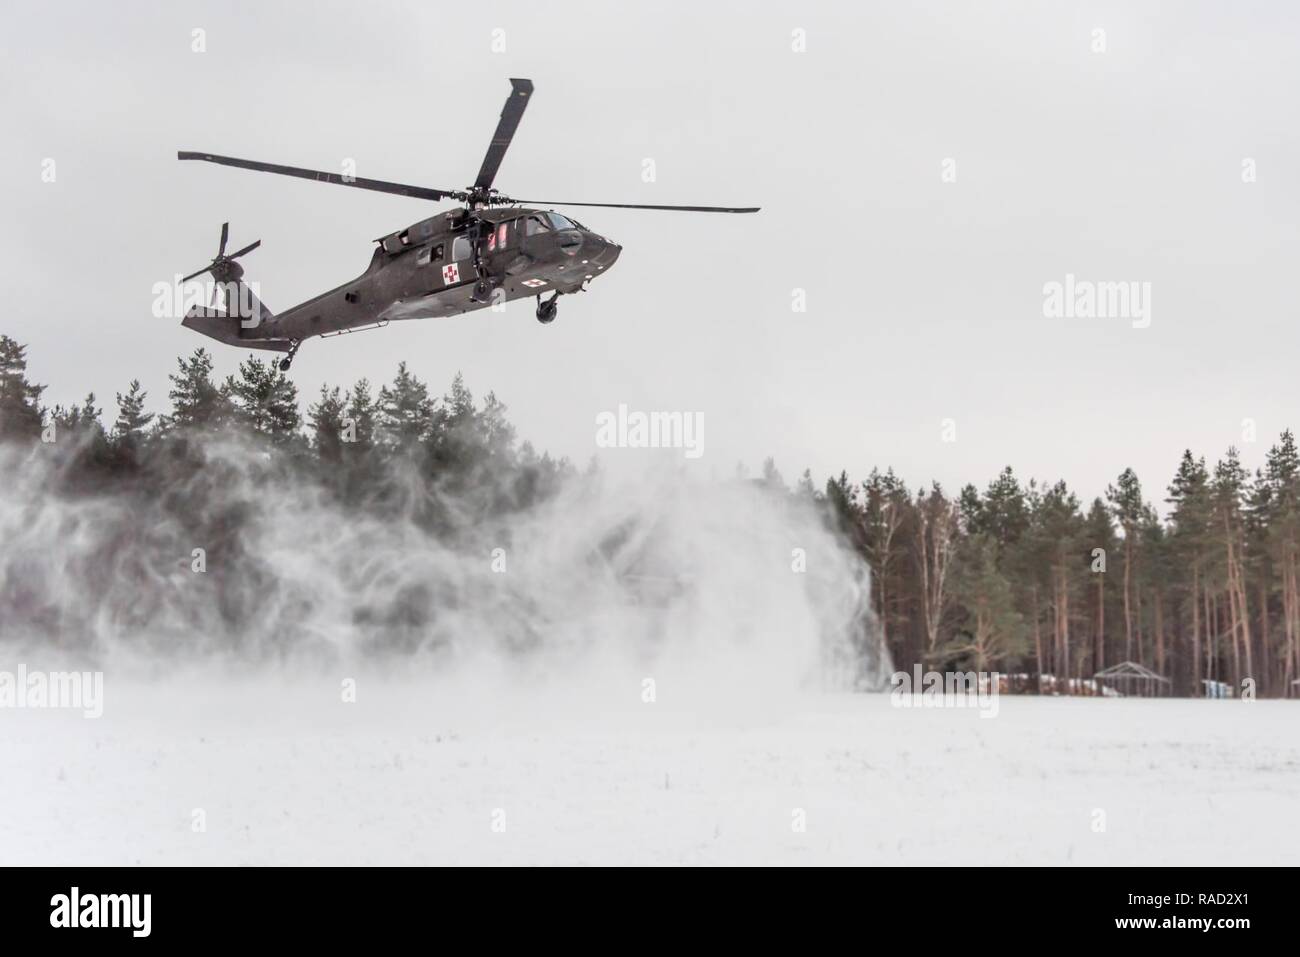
[511,113]
[225,234]
[378,185]
[685,209]
[247,249]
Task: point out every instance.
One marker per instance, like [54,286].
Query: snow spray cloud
[241,559]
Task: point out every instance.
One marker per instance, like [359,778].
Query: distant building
[1133,680]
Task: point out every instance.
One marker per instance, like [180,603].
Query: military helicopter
[491,249]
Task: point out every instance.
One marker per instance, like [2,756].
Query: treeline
[226,458]
[361,444]
[1020,577]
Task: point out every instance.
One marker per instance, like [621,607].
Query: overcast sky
[924,297]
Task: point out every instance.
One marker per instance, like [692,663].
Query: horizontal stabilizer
[216,324]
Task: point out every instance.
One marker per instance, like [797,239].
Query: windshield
[561,222]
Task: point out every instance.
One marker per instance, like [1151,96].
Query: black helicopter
[490,250]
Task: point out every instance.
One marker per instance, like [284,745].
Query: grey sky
[924,298]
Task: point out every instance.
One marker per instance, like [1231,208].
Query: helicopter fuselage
[428,270]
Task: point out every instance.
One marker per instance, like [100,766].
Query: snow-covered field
[287,773]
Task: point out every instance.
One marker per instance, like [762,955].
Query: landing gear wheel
[482,290]
[546,310]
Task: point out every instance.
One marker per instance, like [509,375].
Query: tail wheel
[293,351]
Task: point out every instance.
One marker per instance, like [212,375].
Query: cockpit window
[460,248]
[535,225]
[561,222]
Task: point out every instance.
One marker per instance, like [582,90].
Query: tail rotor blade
[195,275]
[225,234]
[247,249]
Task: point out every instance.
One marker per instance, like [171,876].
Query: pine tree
[806,489]
[458,403]
[845,511]
[1004,512]
[1262,571]
[20,409]
[325,416]
[91,424]
[1189,519]
[1058,528]
[455,433]
[497,432]
[128,434]
[1001,512]
[197,403]
[1100,542]
[80,421]
[1154,575]
[405,410]
[132,420]
[936,536]
[362,460]
[1278,509]
[990,629]
[361,418]
[1126,502]
[265,399]
[771,477]
[886,505]
[1228,492]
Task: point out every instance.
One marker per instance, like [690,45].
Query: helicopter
[489,250]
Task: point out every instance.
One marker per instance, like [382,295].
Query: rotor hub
[479,197]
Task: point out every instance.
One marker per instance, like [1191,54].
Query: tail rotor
[223,267]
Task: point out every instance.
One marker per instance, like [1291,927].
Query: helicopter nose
[600,252]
